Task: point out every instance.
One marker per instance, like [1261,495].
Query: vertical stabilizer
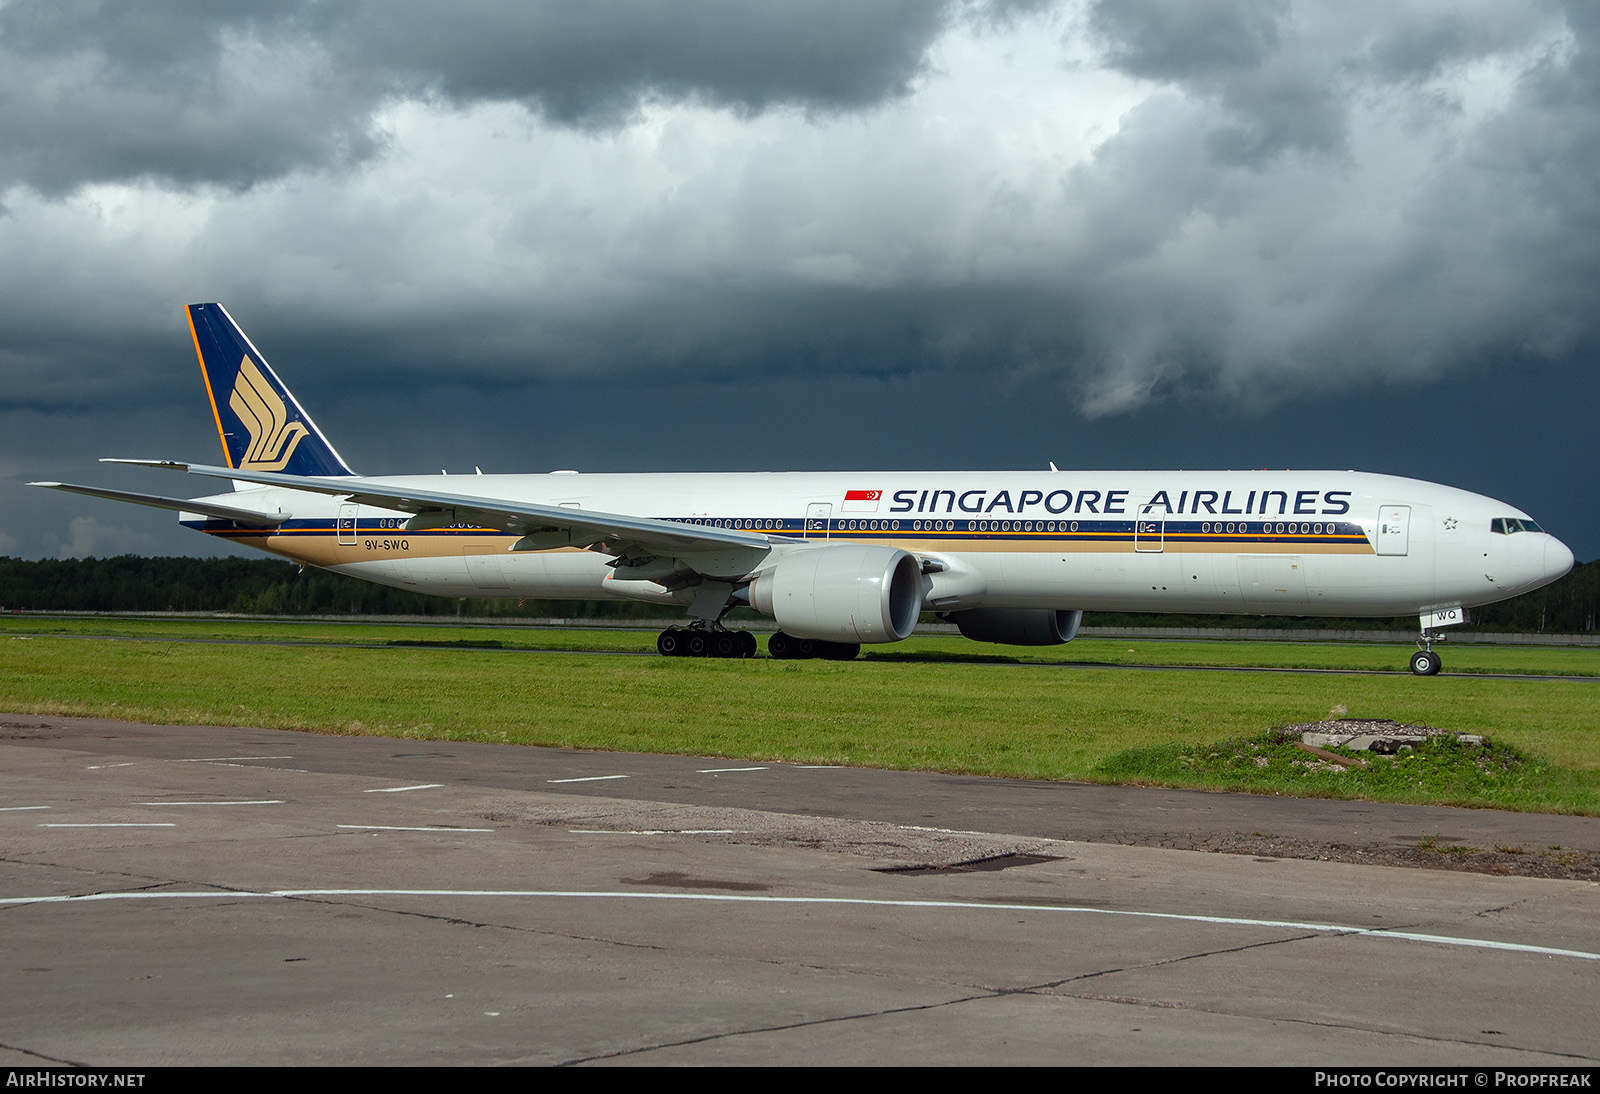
[263,428]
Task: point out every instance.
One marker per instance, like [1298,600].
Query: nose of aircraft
[1557,559]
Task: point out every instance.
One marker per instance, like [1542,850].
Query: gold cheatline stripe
[322,548]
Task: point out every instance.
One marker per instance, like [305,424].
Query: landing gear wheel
[669,643]
[726,644]
[786,647]
[1426,663]
[699,644]
[747,644]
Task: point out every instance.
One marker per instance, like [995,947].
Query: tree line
[248,586]
[267,586]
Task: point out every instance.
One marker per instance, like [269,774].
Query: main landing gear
[697,640]
[786,647]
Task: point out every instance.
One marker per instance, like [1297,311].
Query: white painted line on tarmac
[859,902]
[402,789]
[404,828]
[102,767]
[656,831]
[252,767]
[89,897]
[20,808]
[152,824]
[720,770]
[224,759]
[588,779]
[267,802]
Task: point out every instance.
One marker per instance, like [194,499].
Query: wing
[635,541]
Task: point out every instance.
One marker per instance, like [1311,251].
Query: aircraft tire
[699,645]
[780,646]
[669,643]
[840,651]
[727,645]
[1426,663]
[747,644]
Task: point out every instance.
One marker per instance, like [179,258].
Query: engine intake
[844,592]
[1018,626]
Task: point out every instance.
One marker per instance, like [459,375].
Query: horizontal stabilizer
[170,465]
[181,505]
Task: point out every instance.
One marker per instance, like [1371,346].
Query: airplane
[841,559]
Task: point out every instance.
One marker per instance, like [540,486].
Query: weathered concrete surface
[510,919]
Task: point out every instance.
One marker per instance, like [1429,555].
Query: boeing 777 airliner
[839,559]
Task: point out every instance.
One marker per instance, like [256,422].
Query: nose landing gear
[1425,662]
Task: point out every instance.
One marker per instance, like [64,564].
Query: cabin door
[1394,529]
[347,525]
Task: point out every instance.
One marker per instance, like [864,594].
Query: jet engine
[1017,626]
[844,592]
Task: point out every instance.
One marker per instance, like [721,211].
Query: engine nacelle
[1018,626]
[845,592]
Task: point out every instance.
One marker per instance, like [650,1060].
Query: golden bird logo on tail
[273,437]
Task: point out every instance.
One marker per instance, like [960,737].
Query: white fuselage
[1273,543]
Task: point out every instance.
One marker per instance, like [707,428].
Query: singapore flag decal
[862,501]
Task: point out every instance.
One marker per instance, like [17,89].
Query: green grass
[1494,775]
[1035,720]
[1347,656]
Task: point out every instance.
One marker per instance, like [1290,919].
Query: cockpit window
[1505,526]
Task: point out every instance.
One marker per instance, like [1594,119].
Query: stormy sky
[737,234]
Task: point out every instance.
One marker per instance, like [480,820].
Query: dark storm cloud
[186,92]
[1415,45]
[592,63]
[1235,52]
[1286,82]
[1399,193]
[1187,39]
[192,93]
